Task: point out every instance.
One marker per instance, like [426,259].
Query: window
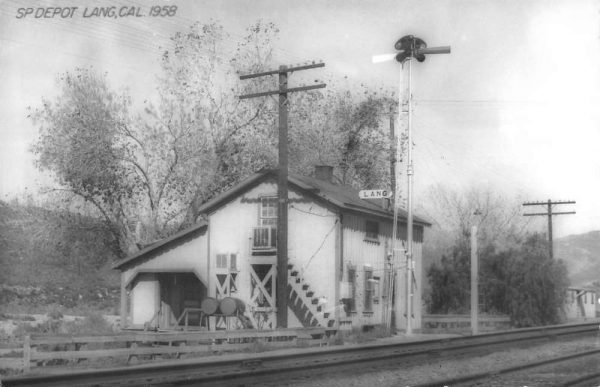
[221,261]
[264,238]
[372,230]
[268,211]
[369,289]
[376,290]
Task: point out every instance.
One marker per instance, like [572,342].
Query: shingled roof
[342,196]
[346,197]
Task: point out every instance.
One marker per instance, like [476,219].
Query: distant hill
[581,253]
[61,257]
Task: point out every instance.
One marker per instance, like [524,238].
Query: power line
[141,39]
[84,57]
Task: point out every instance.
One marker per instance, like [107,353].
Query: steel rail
[593,377]
[521,367]
[261,365]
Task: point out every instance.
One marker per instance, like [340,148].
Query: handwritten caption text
[96,12]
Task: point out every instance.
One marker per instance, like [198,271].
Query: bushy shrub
[522,282]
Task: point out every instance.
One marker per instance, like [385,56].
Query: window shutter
[352,283]
[273,237]
[221,261]
[233,261]
[368,289]
[260,237]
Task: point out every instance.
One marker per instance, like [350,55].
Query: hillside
[55,257]
[581,252]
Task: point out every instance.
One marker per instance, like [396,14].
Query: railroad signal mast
[549,213]
[408,47]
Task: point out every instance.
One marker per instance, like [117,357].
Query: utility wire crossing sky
[514,107]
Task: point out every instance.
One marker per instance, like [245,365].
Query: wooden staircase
[305,305]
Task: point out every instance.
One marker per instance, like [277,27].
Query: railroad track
[483,376]
[242,369]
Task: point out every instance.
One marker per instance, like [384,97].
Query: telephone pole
[282,178]
[474,282]
[474,277]
[549,213]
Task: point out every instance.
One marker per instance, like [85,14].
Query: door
[262,295]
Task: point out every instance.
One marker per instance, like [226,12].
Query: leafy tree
[453,213]
[146,173]
[521,281]
[344,129]
[80,143]
[227,138]
[536,286]
[450,282]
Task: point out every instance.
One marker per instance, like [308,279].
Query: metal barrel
[229,306]
[209,305]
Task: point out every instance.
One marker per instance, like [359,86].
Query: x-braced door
[262,296]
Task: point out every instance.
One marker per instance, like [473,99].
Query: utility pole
[474,278]
[549,214]
[282,177]
[474,282]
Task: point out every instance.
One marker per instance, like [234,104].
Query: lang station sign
[375,194]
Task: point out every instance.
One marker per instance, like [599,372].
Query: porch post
[123,311]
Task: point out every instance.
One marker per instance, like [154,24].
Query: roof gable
[341,196]
[158,246]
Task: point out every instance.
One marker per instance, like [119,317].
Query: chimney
[324,172]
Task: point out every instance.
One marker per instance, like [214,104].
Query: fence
[44,351]
[437,323]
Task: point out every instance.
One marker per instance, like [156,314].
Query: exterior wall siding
[362,253]
[231,233]
[144,300]
[585,308]
[322,246]
[311,241]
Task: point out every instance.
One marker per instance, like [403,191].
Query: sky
[512,109]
